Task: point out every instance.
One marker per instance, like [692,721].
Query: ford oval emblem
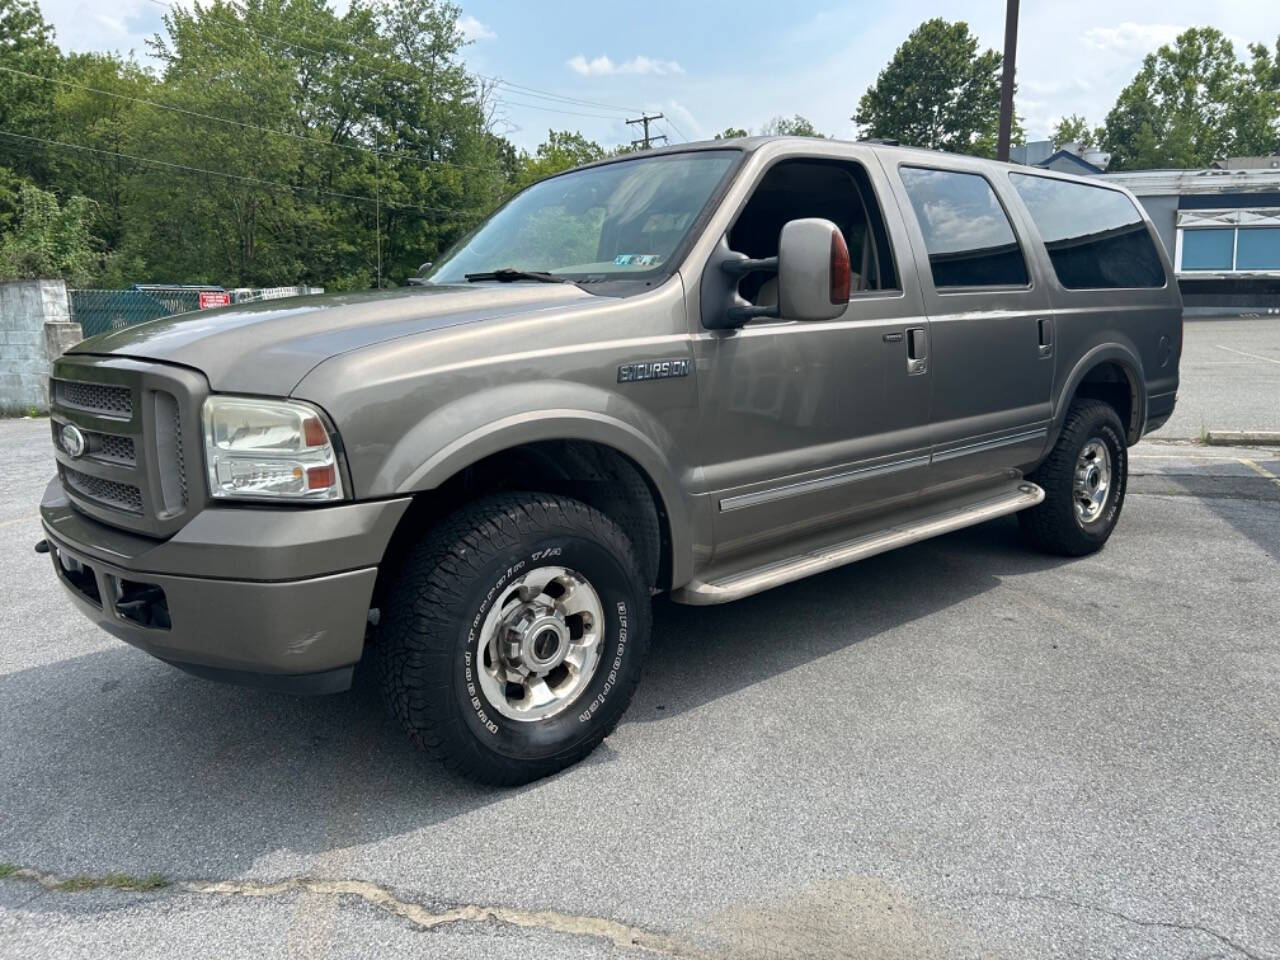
[73,440]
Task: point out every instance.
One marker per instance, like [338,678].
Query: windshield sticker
[637,260]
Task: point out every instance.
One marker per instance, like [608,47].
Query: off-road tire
[444,588]
[1053,525]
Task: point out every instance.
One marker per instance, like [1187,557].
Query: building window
[1208,248]
[1229,241]
[1258,248]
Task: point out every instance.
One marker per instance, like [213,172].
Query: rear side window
[967,234]
[1096,238]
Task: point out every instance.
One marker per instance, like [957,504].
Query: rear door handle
[1046,336]
[917,351]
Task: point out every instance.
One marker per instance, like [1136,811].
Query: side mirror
[814,276]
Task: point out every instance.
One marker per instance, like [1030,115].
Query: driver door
[810,427]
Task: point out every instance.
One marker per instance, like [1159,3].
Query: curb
[1242,438]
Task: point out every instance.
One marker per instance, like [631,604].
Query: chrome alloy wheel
[540,644]
[1092,480]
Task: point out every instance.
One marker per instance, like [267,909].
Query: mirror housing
[814,278]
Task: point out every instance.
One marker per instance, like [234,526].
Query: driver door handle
[917,351]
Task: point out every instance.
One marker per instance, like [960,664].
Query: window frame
[926,268]
[1232,271]
[1143,218]
[895,259]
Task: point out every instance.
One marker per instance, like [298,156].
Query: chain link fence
[99,311]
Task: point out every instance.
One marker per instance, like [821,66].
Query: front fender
[465,431]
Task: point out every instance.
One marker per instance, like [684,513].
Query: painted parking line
[1261,470]
[1253,356]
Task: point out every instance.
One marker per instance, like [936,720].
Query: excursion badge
[653,370]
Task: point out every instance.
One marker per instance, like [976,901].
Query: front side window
[1096,238]
[614,221]
[967,234]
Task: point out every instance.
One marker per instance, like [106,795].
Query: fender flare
[586,423]
[1127,359]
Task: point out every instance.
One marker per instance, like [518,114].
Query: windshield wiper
[509,274]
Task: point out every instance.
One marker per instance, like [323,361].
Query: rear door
[990,325]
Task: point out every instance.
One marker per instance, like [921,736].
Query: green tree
[562,150]
[796,126]
[1074,129]
[1193,102]
[27,53]
[939,91]
[51,240]
[731,133]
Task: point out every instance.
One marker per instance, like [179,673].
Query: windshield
[620,219]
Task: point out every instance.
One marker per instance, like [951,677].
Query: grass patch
[114,881]
[7,869]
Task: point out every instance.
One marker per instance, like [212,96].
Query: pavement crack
[620,935]
[1127,918]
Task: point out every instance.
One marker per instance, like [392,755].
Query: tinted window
[1257,248]
[1095,237]
[1208,249]
[966,232]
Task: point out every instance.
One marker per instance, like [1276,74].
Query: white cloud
[1131,38]
[602,66]
[473,29]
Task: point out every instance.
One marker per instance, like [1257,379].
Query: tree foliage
[938,91]
[795,126]
[1074,129]
[51,240]
[1193,102]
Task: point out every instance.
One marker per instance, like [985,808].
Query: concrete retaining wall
[35,327]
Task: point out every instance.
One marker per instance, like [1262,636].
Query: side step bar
[1011,498]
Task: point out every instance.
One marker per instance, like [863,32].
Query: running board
[1011,498]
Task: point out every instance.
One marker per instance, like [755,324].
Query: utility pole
[1006,79]
[646,140]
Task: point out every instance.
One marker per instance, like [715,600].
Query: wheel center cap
[544,643]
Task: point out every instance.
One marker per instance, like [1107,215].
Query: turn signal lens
[269,450]
[841,276]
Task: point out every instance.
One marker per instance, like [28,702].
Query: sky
[711,64]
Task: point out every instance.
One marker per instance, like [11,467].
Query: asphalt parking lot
[962,749]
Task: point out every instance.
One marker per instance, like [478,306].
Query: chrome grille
[100,398]
[122,496]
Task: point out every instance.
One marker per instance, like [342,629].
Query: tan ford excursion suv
[702,371]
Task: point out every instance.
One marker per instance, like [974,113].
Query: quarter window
[1096,238]
[967,234]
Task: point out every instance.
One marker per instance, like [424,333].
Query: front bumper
[265,596]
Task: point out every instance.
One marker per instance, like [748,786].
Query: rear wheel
[514,636]
[1084,480]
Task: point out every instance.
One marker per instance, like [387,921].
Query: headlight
[269,450]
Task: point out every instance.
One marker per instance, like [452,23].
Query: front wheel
[513,636]
[1084,480]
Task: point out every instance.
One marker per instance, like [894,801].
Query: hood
[268,347]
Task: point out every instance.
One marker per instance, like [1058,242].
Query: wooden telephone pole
[647,141]
[1006,80]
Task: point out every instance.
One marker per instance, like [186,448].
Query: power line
[680,133]
[258,181]
[528,91]
[571,113]
[398,154]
